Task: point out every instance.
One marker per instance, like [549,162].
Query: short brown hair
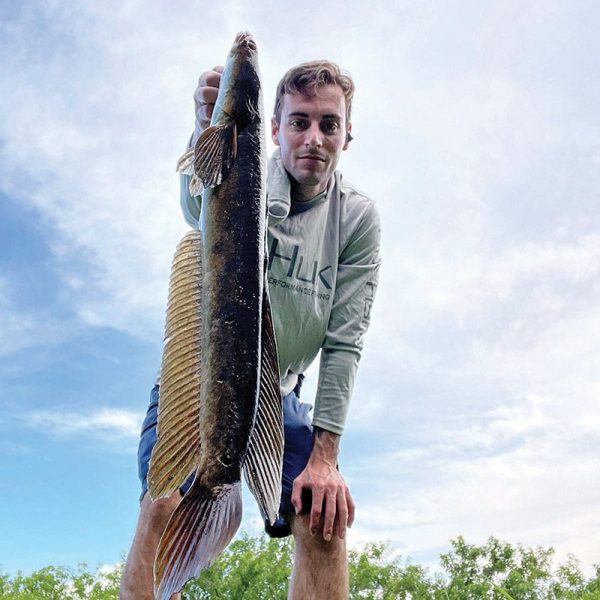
[308,77]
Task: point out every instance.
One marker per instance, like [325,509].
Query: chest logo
[299,268]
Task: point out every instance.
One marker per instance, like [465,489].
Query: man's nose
[314,136]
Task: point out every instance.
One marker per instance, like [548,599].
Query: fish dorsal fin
[264,459]
[215,153]
[175,455]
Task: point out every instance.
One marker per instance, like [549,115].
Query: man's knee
[315,543]
[154,515]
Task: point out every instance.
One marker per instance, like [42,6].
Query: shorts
[297,448]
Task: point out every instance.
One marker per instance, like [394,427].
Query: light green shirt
[323,269]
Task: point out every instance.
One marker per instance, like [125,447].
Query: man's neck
[300,193]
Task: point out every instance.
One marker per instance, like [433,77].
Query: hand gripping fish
[220,407]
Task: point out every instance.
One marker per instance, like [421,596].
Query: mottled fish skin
[240,419]
[233,224]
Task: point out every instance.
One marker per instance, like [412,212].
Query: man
[323,246]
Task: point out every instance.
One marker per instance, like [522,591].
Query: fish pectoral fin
[196,186]
[175,454]
[185,165]
[197,532]
[264,460]
[215,153]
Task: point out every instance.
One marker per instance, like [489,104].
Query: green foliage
[59,583]
[499,571]
[251,568]
[259,569]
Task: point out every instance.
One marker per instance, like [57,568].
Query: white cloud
[105,423]
[514,475]
[21,328]
[13,449]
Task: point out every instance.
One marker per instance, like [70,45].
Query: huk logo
[299,269]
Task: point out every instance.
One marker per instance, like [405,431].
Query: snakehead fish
[220,408]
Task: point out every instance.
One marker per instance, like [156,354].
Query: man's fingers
[297,498]
[206,95]
[210,78]
[342,513]
[330,509]
[316,511]
[351,507]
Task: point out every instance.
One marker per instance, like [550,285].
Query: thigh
[298,434]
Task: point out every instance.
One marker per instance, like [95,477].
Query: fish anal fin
[197,532]
[214,153]
[264,459]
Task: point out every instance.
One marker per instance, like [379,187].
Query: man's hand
[327,487]
[205,97]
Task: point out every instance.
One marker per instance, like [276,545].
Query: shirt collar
[280,204]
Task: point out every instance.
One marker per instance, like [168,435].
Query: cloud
[516,472]
[21,328]
[106,423]
[13,449]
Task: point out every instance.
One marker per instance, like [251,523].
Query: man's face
[311,134]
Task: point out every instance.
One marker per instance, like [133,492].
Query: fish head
[240,94]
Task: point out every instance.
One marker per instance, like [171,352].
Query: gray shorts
[297,449]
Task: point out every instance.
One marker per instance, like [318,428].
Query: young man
[323,243]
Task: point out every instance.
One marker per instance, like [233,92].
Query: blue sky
[476,125]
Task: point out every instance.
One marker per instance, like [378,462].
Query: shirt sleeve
[357,276]
[190,205]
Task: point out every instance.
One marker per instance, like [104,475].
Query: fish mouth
[245,42]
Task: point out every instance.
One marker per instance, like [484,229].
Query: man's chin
[311,179]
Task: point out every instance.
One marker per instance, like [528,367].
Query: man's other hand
[331,498]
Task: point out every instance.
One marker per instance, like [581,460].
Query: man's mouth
[314,157]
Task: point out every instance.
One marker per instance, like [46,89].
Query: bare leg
[320,568]
[138,577]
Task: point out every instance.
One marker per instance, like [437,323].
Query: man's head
[311,123]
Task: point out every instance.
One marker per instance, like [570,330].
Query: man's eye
[297,124]
[330,126]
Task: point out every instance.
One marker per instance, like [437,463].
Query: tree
[499,571]
[251,568]
[59,583]
[259,569]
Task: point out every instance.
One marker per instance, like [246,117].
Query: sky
[477,404]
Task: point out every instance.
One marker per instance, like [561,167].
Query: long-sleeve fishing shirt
[322,273]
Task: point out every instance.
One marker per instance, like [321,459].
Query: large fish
[220,409]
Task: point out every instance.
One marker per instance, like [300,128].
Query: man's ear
[275,131]
[349,137]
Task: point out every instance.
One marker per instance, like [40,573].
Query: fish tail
[198,531]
